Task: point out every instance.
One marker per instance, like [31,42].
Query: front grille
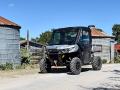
[54,56]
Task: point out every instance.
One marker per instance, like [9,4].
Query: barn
[35,50]
[9,42]
[103,44]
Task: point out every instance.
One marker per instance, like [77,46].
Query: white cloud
[11,5]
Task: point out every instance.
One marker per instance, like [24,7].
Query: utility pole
[111,43]
[110,51]
[28,42]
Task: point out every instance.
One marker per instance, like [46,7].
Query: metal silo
[9,42]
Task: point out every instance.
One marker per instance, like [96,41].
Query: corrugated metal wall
[106,45]
[9,45]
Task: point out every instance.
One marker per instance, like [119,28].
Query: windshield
[63,37]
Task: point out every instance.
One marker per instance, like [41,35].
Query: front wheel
[45,66]
[97,63]
[75,66]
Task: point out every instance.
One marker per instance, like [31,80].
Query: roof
[31,43]
[68,28]
[98,33]
[95,32]
[6,22]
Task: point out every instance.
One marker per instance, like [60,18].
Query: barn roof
[117,46]
[97,33]
[6,22]
[24,42]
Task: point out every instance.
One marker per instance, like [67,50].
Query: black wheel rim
[78,66]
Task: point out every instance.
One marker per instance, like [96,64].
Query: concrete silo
[9,42]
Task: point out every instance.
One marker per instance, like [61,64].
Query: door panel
[86,46]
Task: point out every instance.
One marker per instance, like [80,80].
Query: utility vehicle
[70,47]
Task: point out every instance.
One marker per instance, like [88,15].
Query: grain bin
[9,42]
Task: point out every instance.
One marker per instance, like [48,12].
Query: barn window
[97,48]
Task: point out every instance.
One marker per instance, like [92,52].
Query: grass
[28,69]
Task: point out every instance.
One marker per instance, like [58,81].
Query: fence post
[44,51]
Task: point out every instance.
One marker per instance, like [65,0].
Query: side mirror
[91,26]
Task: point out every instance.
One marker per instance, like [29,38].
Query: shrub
[25,60]
[25,57]
[104,61]
[117,59]
[27,66]
[23,66]
[7,66]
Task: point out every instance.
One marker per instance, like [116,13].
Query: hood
[59,46]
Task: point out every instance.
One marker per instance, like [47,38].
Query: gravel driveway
[106,79]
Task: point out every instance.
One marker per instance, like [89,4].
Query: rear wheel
[45,66]
[75,66]
[97,63]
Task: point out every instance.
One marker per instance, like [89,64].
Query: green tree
[116,32]
[44,37]
[22,38]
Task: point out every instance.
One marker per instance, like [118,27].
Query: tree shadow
[102,88]
[115,78]
[110,85]
[99,88]
[114,71]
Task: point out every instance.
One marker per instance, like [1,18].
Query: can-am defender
[70,47]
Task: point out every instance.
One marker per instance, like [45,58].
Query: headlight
[65,50]
[73,49]
[70,49]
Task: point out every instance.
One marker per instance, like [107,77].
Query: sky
[38,16]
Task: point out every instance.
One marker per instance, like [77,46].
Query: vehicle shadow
[83,70]
[58,70]
[64,70]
